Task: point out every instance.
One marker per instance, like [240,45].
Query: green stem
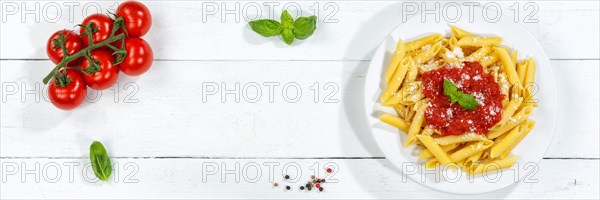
[113,47]
[81,53]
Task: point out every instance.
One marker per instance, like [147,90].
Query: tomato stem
[85,51]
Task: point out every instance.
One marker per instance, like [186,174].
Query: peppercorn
[321,189]
[318,185]
[312,177]
[301,187]
[275,184]
[288,187]
[322,180]
[287,177]
[329,170]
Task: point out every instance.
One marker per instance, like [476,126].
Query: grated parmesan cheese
[426,47]
[458,52]
[479,98]
[492,112]
[449,54]
[465,77]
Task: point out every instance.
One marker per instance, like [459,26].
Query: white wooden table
[169,142]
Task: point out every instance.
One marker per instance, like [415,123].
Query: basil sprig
[466,101]
[289,29]
[100,161]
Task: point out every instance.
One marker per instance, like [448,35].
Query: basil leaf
[450,91]
[287,20]
[100,161]
[304,27]
[288,36]
[266,27]
[466,101]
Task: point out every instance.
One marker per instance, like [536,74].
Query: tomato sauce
[452,119]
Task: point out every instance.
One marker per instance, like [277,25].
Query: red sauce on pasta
[452,119]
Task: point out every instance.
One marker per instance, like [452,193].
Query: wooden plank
[577,80]
[171,112]
[181,29]
[207,178]
[170,118]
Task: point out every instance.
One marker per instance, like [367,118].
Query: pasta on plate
[464,99]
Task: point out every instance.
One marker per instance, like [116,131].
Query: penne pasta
[495,165]
[400,110]
[448,56]
[479,54]
[395,121]
[489,60]
[521,69]
[407,95]
[475,41]
[527,126]
[460,33]
[395,62]
[428,54]
[417,44]
[508,65]
[471,149]
[512,122]
[398,78]
[530,73]
[509,110]
[474,158]
[411,76]
[435,149]
[432,163]
[455,139]
[513,56]
[425,153]
[415,126]
[427,131]
[410,112]
[512,139]
[529,83]
[452,43]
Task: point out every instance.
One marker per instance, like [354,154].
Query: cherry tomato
[139,57]
[106,76]
[104,25]
[70,95]
[136,16]
[73,44]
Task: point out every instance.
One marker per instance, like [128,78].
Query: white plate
[530,151]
